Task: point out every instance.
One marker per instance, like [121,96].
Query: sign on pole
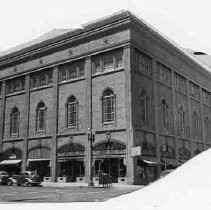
[135,151]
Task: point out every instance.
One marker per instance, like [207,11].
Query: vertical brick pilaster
[54,126]
[174,108]
[156,111]
[189,116]
[202,118]
[26,122]
[88,151]
[131,161]
[2,114]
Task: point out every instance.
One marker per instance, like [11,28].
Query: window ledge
[41,87]
[108,72]
[71,80]
[109,123]
[16,93]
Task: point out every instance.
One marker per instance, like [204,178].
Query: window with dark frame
[163,74]
[180,83]
[41,116]
[107,61]
[72,70]
[41,78]
[206,97]
[72,109]
[181,120]
[15,85]
[144,63]
[207,129]
[195,126]
[165,117]
[108,106]
[194,90]
[14,126]
[144,108]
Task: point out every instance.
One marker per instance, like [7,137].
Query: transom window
[108,106]
[144,107]
[14,121]
[41,116]
[72,109]
[71,70]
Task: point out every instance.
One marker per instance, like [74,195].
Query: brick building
[116,76]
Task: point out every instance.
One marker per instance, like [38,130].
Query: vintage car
[26,178]
[3,177]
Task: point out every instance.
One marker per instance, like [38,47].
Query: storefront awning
[150,162]
[10,162]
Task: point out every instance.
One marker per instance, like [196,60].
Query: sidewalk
[83,184]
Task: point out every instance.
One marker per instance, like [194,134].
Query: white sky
[187,22]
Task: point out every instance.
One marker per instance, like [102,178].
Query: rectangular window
[41,78]
[144,63]
[119,59]
[41,120]
[163,74]
[96,68]
[194,90]
[108,62]
[15,85]
[14,123]
[69,71]
[72,114]
[206,97]
[180,83]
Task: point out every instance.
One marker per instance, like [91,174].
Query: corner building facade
[117,77]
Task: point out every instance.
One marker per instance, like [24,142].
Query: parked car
[3,177]
[26,178]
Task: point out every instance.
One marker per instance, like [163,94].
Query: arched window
[14,121]
[41,116]
[165,120]
[207,128]
[108,106]
[144,117]
[72,110]
[195,126]
[181,120]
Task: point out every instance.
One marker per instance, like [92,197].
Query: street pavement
[62,193]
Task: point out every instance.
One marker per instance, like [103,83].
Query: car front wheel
[9,183]
[26,184]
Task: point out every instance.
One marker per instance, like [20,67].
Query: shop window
[15,85]
[41,116]
[14,125]
[41,78]
[144,107]
[165,117]
[144,63]
[72,111]
[207,129]
[73,70]
[195,126]
[108,106]
[181,120]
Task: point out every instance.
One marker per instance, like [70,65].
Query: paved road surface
[16,194]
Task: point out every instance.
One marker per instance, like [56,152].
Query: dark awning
[172,162]
[147,161]
[10,162]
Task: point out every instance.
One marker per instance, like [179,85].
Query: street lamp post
[91,139]
[164,148]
